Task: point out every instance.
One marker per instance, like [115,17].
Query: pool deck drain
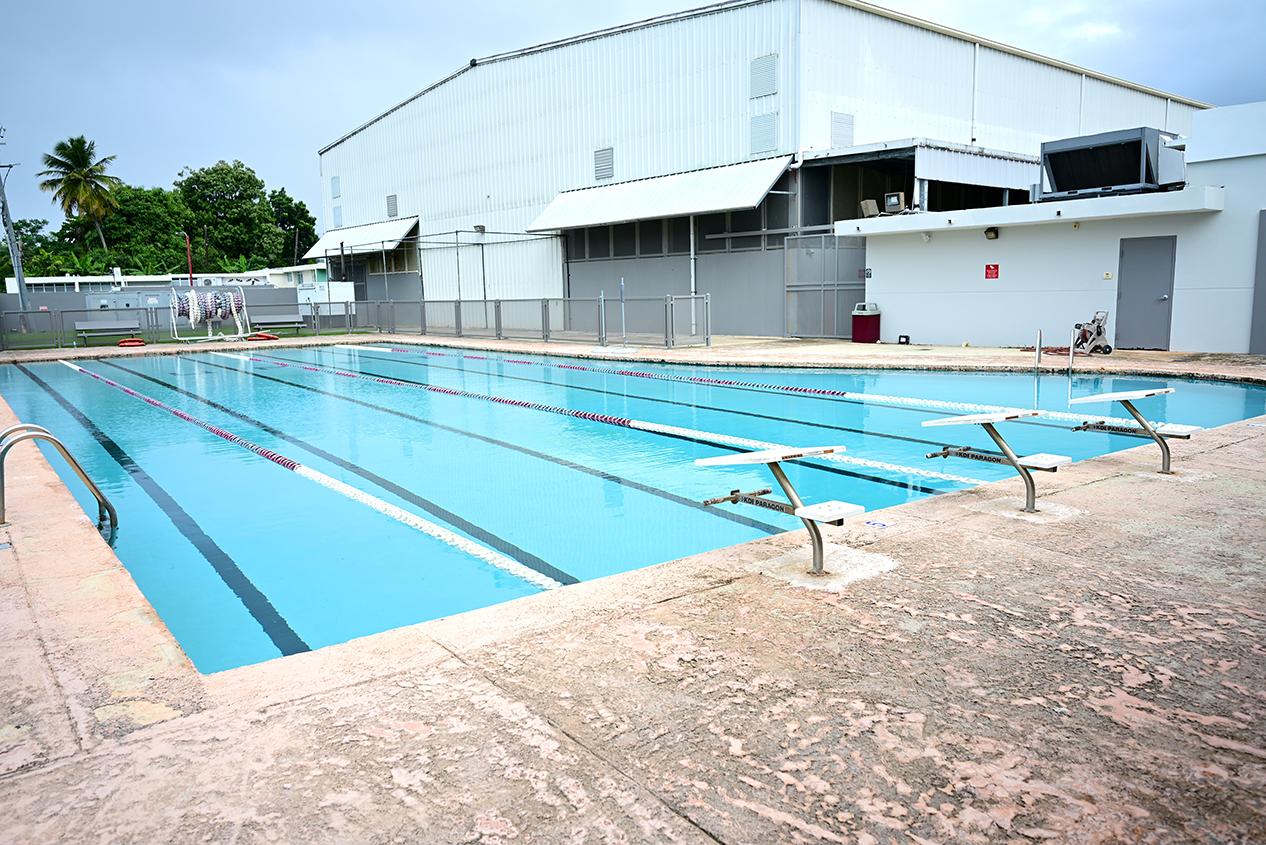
[1096,674]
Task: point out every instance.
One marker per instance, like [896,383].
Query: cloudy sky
[163,85]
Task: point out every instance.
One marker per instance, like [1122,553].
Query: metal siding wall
[896,79]
[496,143]
[1108,107]
[1021,103]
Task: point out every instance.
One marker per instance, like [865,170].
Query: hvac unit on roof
[1127,161]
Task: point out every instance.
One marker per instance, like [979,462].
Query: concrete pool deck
[1093,673]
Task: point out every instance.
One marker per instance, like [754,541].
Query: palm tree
[78,181]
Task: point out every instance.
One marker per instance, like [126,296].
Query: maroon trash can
[866,322]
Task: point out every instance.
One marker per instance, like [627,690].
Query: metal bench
[106,328]
[831,513]
[1042,461]
[279,321]
[1127,398]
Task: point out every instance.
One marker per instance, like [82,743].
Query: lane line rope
[412,520]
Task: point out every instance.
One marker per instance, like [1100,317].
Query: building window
[764,76]
[777,212]
[623,240]
[764,132]
[393,205]
[746,221]
[650,237]
[335,193]
[604,164]
[679,235]
[600,242]
[709,224]
[338,217]
[575,244]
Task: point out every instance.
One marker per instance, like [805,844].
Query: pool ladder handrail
[15,434]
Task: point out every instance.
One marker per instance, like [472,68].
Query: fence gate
[825,277]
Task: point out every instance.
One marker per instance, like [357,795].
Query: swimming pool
[288,499]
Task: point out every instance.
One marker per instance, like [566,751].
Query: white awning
[370,237]
[728,188]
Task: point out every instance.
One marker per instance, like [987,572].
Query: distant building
[705,151]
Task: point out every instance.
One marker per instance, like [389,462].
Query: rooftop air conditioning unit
[1127,161]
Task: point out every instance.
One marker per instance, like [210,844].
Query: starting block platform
[1127,398]
[1041,461]
[830,513]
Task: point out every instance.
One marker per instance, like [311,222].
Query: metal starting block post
[832,513]
[1042,461]
[1159,433]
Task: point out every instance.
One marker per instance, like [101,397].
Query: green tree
[42,253]
[297,225]
[79,182]
[230,209]
[148,228]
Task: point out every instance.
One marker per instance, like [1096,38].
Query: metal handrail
[15,434]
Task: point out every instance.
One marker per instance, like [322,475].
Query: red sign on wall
[991,271]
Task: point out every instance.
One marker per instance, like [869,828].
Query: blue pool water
[245,560]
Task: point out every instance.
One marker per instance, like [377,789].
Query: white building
[1182,269]
[806,107]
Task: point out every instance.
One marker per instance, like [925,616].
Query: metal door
[1145,292]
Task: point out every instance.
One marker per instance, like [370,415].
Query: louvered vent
[393,207]
[765,75]
[604,164]
[841,129]
[334,188]
[338,217]
[765,132]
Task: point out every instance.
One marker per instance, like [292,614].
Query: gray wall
[746,287]
[1257,333]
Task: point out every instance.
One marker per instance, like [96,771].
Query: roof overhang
[728,188]
[371,237]
[1201,199]
[940,161]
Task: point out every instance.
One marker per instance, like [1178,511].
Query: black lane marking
[736,412]
[255,602]
[782,393]
[484,536]
[563,462]
[904,485]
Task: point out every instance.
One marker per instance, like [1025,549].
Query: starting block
[1127,398]
[831,513]
[1041,461]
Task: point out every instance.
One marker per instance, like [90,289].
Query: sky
[165,85]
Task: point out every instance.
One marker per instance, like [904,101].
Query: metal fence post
[545,320]
[347,316]
[422,316]
[496,316]
[707,319]
[316,318]
[602,319]
[668,321]
[457,316]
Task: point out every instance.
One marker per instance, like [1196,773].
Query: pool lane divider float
[850,395]
[743,443]
[385,508]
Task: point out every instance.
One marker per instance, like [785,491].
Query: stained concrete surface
[1096,674]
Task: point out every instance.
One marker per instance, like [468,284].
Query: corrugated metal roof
[370,237]
[734,186]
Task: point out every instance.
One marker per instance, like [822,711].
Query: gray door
[1145,292]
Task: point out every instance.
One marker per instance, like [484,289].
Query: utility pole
[15,249]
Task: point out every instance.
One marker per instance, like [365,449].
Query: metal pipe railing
[15,434]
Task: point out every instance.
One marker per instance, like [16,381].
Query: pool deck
[1092,673]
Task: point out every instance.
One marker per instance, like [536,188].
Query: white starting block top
[981,419]
[829,511]
[767,456]
[1121,396]
[1045,460]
